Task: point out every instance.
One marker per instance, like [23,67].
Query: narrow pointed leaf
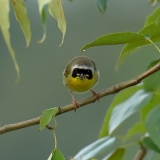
[147,141]
[114,39]
[102,5]
[4,26]
[152,32]
[41,4]
[153,126]
[153,17]
[22,17]
[152,82]
[118,154]
[46,117]
[124,110]
[121,97]
[56,10]
[42,12]
[98,148]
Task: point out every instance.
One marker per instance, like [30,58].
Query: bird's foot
[95,94]
[76,105]
[74,102]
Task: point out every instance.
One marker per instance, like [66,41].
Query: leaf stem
[55,139]
[153,44]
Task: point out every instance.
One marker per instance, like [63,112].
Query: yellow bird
[80,76]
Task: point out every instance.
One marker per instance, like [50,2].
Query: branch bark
[141,153]
[111,90]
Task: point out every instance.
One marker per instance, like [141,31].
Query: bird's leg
[76,105]
[95,94]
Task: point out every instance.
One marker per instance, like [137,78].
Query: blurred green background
[41,66]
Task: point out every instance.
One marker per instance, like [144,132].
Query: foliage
[142,100]
[20,10]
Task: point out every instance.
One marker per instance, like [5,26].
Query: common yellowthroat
[80,76]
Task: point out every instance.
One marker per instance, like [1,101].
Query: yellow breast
[79,85]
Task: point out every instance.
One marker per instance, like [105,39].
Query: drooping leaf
[135,129]
[153,125]
[102,146]
[152,82]
[102,5]
[147,141]
[152,18]
[4,26]
[121,97]
[42,12]
[118,154]
[41,4]
[124,110]
[22,17]
[151,32]
[114,39]
[56,10]
[56,155]
[46,117]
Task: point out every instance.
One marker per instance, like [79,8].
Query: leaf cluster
[141,101]
[55,9]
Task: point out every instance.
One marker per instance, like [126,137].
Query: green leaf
[135,129]
[152,18]
[152,32]
[118,154]
[21,16]
[41,4]
[146,109]
[121,97]
[147,141]
[102,5]
[98,148]
[158,20]
[42,12]
[114,39]
[56,155]
[46,117]
[124,110]
[4,26]
[152,82]
[153,125]
[56,10]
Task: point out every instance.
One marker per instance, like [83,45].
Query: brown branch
[141,153]
[111,90]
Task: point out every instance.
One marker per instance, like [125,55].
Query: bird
[80,76]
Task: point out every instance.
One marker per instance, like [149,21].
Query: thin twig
[141,153]
[111,90]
